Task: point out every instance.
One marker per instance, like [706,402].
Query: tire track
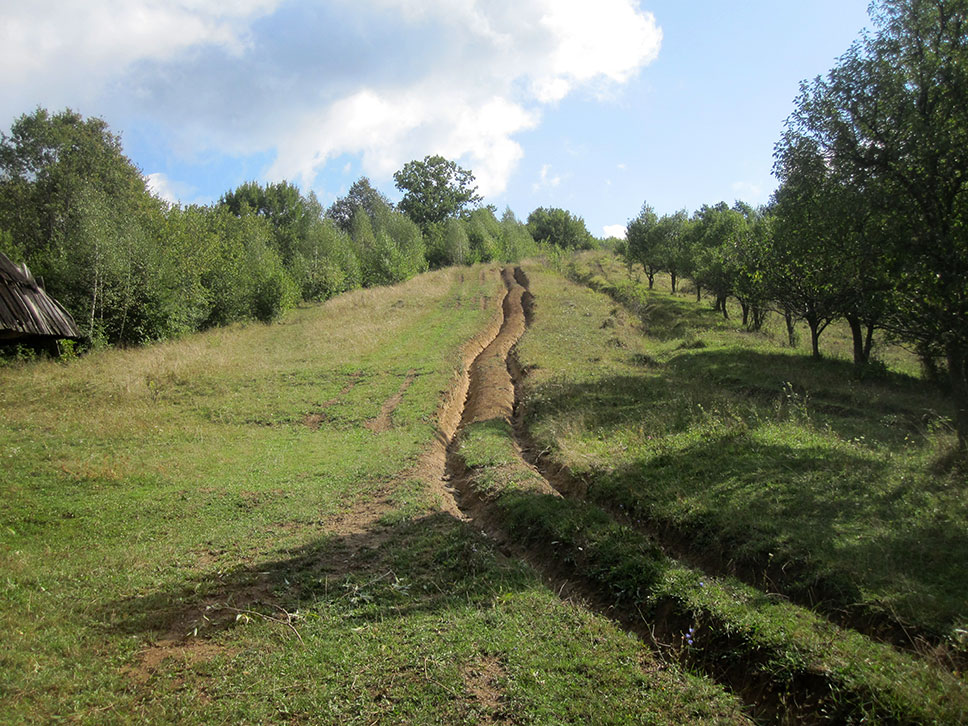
[799,694]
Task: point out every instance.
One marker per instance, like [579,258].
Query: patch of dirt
[382,422]
[189,652]
[313,420]
[482,683]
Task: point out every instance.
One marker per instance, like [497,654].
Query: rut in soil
[491,394]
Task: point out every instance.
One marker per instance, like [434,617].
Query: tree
[435,189]
[671,233]
[805,271]
[751,263]
[717,232]
[457,248]
[85,222]
[515,239]
[361,195]
[892,116]
[641,241]
[560,228]
[282,205]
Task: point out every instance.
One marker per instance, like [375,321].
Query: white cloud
[614,230]
[388,80]
[545,180]
[159,185]
[167,189]
[77,47]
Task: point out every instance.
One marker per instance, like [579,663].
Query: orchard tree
[641,242]
[892,115]
[750,260]
[434,190]
[672,235]
[717,231]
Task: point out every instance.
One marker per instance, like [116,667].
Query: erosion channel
[526,510]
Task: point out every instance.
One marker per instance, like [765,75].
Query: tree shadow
[428,564]
[829,526]
[756,387]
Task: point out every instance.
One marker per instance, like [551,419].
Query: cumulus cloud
[615,230]
[388,80]
[75,48]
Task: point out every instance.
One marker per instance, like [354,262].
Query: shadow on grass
[757,387]
[424,565]
[829,526]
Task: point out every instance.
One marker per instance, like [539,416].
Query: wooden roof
[26,311]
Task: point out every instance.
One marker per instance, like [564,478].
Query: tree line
[132,268]
[869,223]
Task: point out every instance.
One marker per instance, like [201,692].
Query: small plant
[794,403]
[68,350]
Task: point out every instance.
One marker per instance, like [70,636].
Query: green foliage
[132,269]
[641,243]
[516,242]
[889,125]
[434,190]
[83,220]
[560,228]
[361,195]
[457,248]
[324,264]
[483,235]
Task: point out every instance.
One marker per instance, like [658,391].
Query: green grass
[796,473]
[205,531]
[756,643]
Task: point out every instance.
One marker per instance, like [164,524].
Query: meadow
[536,495]
[593,396]
[241,526]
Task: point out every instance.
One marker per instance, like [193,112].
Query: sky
[593,106]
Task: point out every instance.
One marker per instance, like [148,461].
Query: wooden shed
[27,314]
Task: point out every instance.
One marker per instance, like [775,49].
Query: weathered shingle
[26,311]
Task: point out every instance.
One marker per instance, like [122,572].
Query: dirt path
[491,391]
[490,394]
[382,422]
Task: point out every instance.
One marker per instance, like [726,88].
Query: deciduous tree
[434,190]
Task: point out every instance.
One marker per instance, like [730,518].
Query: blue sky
[591,106]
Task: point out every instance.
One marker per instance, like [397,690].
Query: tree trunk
[815,331]
[791,328]
[815,342]
[746,312]
[757,323]
[869,342]
[857,333]
[673,276]
[721,301]
[957,357]
[651,276]
[698,292]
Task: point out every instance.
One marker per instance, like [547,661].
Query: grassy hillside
[244,526]
[673,585]
[834,488]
